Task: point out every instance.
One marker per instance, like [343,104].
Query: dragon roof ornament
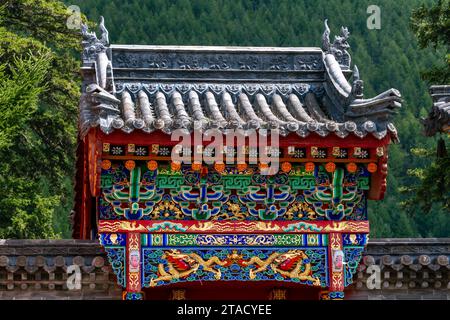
[95,51]
[92,46]
[339,46]
[99,92]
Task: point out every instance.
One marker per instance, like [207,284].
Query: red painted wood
[159,137]
[80,185]
[195,226]
[233,290]
[379,180]
[336,277]
[82,207]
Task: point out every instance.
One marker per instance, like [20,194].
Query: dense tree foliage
[431,25]
[39,89]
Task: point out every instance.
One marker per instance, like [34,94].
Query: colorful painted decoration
[334,201]
[274,200]
[164,193]
[133,295]
[263,166]
[302,265]
[200,202]
[117,260]
[380,151]
[131,197]
[168,252]
[372,167]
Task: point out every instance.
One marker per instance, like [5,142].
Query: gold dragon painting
[292,264]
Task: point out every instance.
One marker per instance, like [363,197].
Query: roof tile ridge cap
[440,86]
[336,58]
[336,75]
[250,49]
[391,94]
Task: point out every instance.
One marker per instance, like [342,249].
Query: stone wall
[37,269]
[409,269]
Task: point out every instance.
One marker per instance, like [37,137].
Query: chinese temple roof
[301,90]
[438,119]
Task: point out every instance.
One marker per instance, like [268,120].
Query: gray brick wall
[37,269]
[412,269]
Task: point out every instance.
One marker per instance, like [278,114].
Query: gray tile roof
[438,119]
[301,90]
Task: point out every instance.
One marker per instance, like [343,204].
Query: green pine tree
[39,89]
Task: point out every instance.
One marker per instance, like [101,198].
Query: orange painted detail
[130,164]
[263,166]
[309,167]
[372,167]
[152,165]
[241,166]
[196,166]
[286,167]
[94,162]
[175,166]
[330,167]
[106,164]
[352,167]
[219,166]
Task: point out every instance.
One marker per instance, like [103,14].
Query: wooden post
[336,264]
[133,271]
